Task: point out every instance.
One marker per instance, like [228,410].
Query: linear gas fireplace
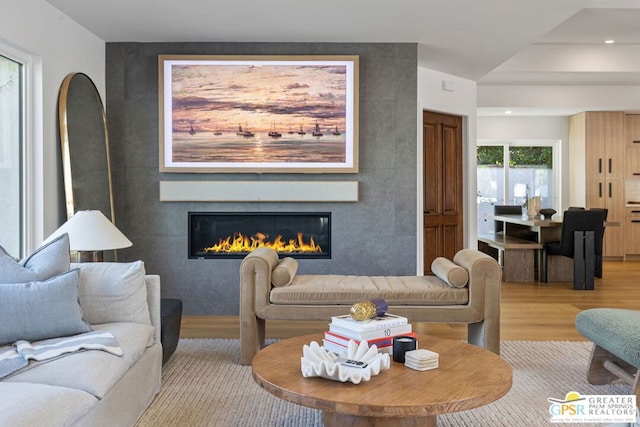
[235,234]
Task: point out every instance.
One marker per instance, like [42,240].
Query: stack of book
[379,331]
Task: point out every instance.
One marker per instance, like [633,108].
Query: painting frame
[258,113]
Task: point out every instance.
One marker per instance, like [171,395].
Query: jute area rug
[205,385]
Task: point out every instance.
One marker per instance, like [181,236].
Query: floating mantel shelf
[258,191]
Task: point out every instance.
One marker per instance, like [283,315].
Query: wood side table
[467,377]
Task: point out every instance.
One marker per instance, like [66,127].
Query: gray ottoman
[616,345]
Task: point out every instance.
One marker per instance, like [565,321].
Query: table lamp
[90,234]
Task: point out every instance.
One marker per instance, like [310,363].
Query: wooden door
[442,186]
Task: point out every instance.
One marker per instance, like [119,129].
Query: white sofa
[94,387]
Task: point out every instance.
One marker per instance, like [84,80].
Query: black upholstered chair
[605,212]
[575,224]
[505,210]
[575,208]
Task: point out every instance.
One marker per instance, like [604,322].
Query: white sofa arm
[153,300]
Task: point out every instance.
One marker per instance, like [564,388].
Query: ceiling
[493,42]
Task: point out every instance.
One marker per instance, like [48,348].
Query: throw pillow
[284,272]
[453,274]
[40,310]
[48,261]
[113,292]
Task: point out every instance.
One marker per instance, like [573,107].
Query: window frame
[32,193]
[556,163]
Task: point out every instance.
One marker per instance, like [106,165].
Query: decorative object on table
[421,359]
[533,207]
[90,234]
[316,361]
[547,213]
[369,309]
[401,345]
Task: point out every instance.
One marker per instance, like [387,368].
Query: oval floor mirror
[85,147]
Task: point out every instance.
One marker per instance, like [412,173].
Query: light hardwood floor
[530,311]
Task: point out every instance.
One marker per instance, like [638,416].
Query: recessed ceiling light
[609,41]
[508,112]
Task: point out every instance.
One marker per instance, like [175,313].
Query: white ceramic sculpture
[316,361]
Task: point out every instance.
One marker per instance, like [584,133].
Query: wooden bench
[320,296]
[517,256]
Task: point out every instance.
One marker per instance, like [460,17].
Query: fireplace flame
[242,243]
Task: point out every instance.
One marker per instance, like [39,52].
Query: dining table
[536,229]
[541,230]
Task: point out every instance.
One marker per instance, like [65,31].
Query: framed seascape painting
[285,114]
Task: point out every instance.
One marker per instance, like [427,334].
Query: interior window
[511,172]
[11,156]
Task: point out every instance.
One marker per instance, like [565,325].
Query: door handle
[610,165]
[599,189]
[599,165]
[610,190]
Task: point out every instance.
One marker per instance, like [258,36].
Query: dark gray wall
[375,236]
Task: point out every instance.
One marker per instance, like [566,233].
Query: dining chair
[581,240]
[605,212]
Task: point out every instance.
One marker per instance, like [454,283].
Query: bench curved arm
[485,283]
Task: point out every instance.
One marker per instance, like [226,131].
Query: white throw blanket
[15,357]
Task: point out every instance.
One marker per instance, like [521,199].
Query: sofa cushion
[340,289]
[40,310]
[94,371]
[451,273]
[24,404]
[48,261]
[113,292]
[284,272]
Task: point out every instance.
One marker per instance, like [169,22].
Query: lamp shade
[91,231]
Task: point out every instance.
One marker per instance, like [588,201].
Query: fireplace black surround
[215,235]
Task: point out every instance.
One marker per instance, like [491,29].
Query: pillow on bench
[283,273]
[453,274]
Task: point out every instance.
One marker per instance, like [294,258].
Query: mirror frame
[63,100]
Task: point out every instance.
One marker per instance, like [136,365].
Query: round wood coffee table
[467,377]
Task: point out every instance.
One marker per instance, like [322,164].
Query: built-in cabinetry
[632,231]
[597,170]
[632,184]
